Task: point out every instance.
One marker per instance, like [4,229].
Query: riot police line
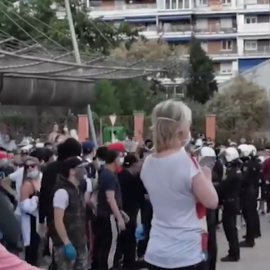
[239,177]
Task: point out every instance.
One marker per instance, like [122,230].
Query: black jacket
[9,225]
[50,175]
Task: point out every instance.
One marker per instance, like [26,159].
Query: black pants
[251,216]
[212,247]
[231,233]
[32,251]
[201,266]
[147,214]
[126,245]
[106,236]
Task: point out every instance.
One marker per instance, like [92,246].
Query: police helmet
[207,151]
[233,144]
[198,145]
[253,150]
[261,158]
[231,154]
[207,157]
[245,150]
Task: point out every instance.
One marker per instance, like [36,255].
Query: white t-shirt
[17,177]
[61,197]
[175,237]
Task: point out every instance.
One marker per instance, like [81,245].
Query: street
[257,258]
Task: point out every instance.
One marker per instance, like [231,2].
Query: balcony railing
[260,50]
[258,2]
[212,7]
[215,29]
[175,28]
[119,5]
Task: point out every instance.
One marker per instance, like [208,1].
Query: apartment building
[234,33]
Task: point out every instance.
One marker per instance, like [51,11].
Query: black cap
[72,163]
[129,160]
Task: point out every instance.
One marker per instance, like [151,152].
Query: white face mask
[121,161]
[187,140]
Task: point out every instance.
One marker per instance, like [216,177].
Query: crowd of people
[157,206]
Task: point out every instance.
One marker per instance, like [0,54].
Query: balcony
[175,28]
[119,9]
[254,29]
[122,6]
[214,30]
[258,5]
[214,6]
[260,50]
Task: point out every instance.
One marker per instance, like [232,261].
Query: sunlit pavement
[257,258]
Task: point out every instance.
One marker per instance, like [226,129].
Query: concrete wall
[259,75]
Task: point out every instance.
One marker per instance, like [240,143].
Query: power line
[57,31]
[1,10]
[25,21]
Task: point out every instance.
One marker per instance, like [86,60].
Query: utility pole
[78,60]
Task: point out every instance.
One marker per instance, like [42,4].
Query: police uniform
[229,191]
[252,172]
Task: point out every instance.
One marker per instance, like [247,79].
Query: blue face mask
[101,163]
[4,162]
[33,174]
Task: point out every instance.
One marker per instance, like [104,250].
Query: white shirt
[17,177]
[61,197]
[175,237]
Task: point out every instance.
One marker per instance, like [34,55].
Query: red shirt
[266,168]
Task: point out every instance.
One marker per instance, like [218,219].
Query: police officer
[229,191]
[252,171]
[207,157]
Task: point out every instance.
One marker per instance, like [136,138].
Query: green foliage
[123,97]
[242,108]
[106,102]
[202,84]
[36,16]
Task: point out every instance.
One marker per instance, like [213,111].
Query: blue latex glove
[70,252]
[139,233]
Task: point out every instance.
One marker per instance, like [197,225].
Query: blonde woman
[178,190]
[29,201]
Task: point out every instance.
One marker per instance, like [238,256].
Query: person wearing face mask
[7,142]
[179,191]
[67,229]
[132,197]
[29,198]
[120,148]
[109,217]
[99,159]
[13,182]
[229,192]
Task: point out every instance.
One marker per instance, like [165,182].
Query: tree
[106,102]
[31,18]
[149,50]
[243,108]
[201,84]
[136,95]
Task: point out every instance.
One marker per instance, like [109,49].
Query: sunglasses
[18,164]
[30,166]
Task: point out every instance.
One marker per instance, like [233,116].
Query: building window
[168,6]
[249,20]
[226,68]
[226,45]
[251,45]
[226,2]
[203,2]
